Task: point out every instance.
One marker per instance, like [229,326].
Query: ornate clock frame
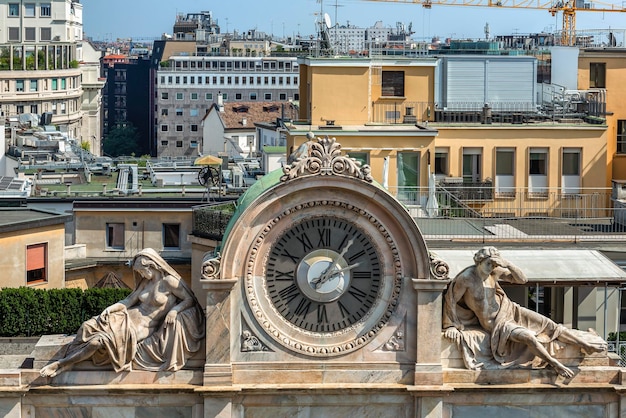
[253,341]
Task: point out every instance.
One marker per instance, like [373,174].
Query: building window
[36,261]
[19,85]
[115,236]
[237,96]
[179,144]
[194,128]
[393,83]
[14,9]
[179,128]
[19,109]
[55,85]
[538,170]
[282,96]
[179,112]
[29,9]
[194,96]
[571,163]
[164,143]
[597,75]
[164,128]
[208,96]
[14,34]
[472,164]
[165,96]
[441,162]
[164,112]
[179,96]
[30,34]
[45,34]
[505,170]
[63,84]
[33,109]
[408,175]
[362,157]
[45,9]
[268,96]
[193,112]
[171,236]
[621,136]
[253,96]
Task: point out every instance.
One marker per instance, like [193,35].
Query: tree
[121,140]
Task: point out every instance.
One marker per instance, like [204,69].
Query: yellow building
[32,243]
[387,113]
[604,68]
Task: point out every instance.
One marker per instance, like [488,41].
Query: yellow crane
[567,7]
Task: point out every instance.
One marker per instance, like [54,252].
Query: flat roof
[561,267]
[17,219]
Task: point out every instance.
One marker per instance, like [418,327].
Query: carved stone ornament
[250,342]
[439,269]
[324,157]
[211,268]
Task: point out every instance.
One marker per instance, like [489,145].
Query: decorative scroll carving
[439,269]
[211,267]
[324,158]
[250,342]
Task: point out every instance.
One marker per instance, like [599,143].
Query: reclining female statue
[516,334]
[158,327]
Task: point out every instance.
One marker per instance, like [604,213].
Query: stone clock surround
[389,354]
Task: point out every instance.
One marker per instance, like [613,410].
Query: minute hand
[326,274]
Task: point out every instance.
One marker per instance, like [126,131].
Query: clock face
[323,274]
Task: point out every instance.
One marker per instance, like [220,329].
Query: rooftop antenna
[487,30]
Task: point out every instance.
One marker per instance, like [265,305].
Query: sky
[112,19]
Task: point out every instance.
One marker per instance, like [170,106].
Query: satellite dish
[327,20]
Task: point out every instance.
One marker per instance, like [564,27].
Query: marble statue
[158,327]
[492,331]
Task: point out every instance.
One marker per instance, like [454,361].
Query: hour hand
[318,281]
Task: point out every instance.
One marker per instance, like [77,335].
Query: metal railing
[518,214]
[618,347]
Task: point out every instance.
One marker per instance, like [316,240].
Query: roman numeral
[285,253]
[289,293]
[324,237]
[357,293]
[344,311]
[306,242]
[356,256]
[322,316]
[287,275]
[361,274]
[303,307]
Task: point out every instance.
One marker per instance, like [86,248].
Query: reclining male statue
[516,335]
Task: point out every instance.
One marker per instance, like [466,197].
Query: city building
[39,61]
[187,86]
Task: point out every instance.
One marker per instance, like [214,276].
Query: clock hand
[326,274]
[332,274]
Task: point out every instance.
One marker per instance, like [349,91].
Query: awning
[548,267]
[208,160]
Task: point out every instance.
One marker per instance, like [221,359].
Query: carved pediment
[324,158]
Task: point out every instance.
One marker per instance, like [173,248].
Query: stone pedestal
[218,368]
[429,294]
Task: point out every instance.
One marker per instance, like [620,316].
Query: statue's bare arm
[507,271]
[181,293]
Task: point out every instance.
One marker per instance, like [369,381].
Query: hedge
[26,312]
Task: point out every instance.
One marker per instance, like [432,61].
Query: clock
[323,274]
[323,278]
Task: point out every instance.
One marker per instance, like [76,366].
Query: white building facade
[39,69]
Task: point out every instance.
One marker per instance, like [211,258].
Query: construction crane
[567,7]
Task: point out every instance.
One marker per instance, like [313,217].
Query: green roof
[265,183]
[274,150]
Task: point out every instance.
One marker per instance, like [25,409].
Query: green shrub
[32,312]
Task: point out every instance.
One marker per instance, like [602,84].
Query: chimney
[220,102]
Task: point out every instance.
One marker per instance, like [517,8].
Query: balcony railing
[518,215]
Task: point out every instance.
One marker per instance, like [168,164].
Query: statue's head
[485,253]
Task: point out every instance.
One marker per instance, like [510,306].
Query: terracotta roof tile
[254,112]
